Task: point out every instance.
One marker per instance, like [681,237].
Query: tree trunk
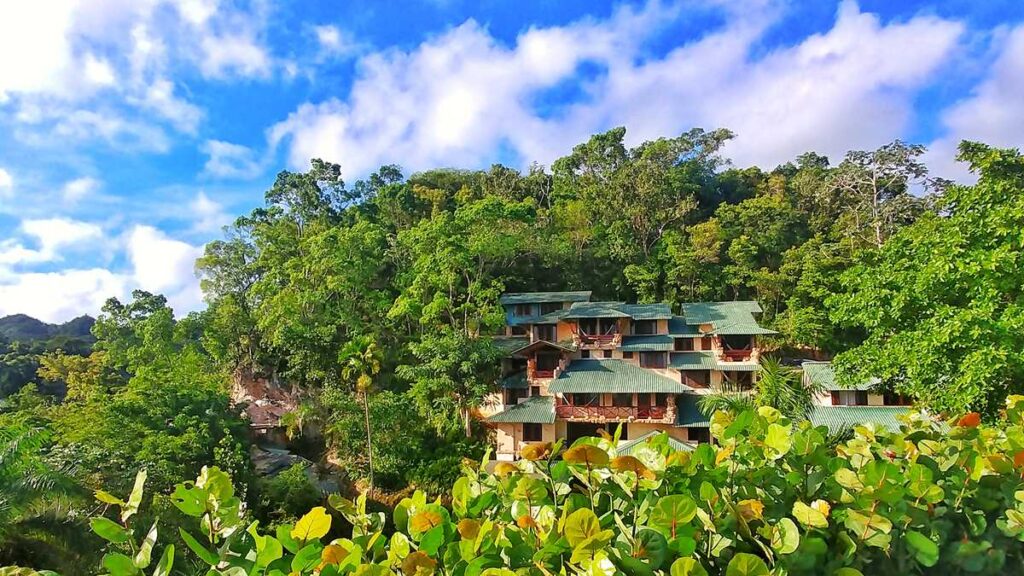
[467,422]
[369,440]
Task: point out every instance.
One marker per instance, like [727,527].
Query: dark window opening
[585,399]
[645,327]
[534,390]
[532,432]
[547,361]
[544,332]
[696,378]
[684,344]
[627,355]
[607,353]
[698,434]
[584,353]
[661,400]
[550,307]
[622,400]
[523,310]
[893,399]
[643,399]
[513,395]
[653,359]
[849,397]
[519,330]
[705,343]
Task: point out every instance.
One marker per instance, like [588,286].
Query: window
[661,400]
[512,395]
[584,353]
[653,359]
[622,400]
[584,399]
[643,399]
[705,343]
[523,310]
[849,398]
[549,307]
[544,332]
[606,353]
[696,378]
[534,390]
[684,344]
[698,434]
[519,330]
[645,327]
[532,432]
[627,355]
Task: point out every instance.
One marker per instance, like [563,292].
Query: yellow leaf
[502,469]
[751,509]
[469,528]
[314,525]
[536,451]
[333,554]
[821,506]
[586,454]
[723,454]
[425,520]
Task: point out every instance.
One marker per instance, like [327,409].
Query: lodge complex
[574,366]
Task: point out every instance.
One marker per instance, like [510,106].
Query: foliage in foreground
[772,498]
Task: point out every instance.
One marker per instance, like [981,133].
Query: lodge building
[574,366]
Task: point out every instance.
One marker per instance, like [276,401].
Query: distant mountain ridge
[24,328]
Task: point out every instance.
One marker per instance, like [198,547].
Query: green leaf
[778,438]
[199,550]
[785,536]
[144,555]
[809,516]
[581,525]
[687,567]
[109,530]
[119,565]
[847,572]
[163,567]
[307,558]
[135,498]
[671,512]
[744,564]
[189,499]
[313,526]
[925,550]
[284,536]
[108,498]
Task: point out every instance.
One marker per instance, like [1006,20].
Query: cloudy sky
[132,130]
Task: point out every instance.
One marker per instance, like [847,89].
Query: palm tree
[360,362]
[778,386]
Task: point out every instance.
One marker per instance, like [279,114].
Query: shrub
[772,498]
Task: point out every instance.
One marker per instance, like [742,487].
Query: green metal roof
[677,326]
[738,366]
[821,373]
[533,410]
[619,310]
[550,317]
[647,311]
[538,344]
[726,318]
[509,344]
[596,310]
[543,297]
[615,376]
[693,361]
[839,418]
[517,380]
[688,414]
[627,447]
[649,343]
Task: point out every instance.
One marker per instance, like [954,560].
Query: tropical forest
[322,413]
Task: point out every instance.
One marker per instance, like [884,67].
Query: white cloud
[164,265]
[79,188]
[53,236]
[993,113]
[59,296]
[208,215]
[6,184]
[334,42]
[457,98]
[228,160]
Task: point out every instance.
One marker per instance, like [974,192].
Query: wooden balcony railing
[597,341]
[591,413]
[737,355]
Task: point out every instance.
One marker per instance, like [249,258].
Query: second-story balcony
[585,341]
[615,413]
[739,355]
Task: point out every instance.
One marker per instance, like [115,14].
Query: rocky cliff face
[263,401]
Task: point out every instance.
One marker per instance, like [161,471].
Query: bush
[288,495]
[773,498]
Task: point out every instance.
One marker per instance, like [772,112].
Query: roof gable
[533,410]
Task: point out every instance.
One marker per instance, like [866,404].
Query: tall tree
[942,301]
[360,362]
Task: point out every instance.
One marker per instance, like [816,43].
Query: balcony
[585,341]
[545,373]
[615,413]
[742,355]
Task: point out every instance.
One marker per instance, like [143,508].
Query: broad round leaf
[744,564]
[109,530]
[671,512]
[687,567]
[581,525]
[925,550]
[586,455]
[313,526]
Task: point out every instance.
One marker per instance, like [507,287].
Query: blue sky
[132,130]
